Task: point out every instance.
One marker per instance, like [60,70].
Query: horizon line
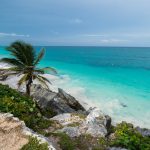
[85,46]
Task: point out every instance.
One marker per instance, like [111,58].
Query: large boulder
[60,102]
[95,123]
[96,116]
[70,100]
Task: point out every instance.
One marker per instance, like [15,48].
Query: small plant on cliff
[24,62]
[128,137]
[65,142]
[34,144]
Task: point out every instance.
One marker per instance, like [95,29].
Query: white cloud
[112,40]
[94,35]
[137,35]
[76,21]
[122,35]
[12,35]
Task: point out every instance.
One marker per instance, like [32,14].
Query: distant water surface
[115,79]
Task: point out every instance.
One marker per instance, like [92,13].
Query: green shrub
[65,142]
[23,107]
[130,138]
[47,112]
[86,141]
[75,124]
[34,144]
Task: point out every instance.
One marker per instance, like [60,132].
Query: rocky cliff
[14,134]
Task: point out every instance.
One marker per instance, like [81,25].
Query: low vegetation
[128,137]
[34,144]
[65,142]
[24,108]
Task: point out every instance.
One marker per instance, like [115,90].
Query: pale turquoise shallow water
[106,77]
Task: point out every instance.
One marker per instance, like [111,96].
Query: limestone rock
[9,128]
[14,134]
[144,132]
[96,123]
[96,130]
[71,131]
[97,117]
[68,118]
[60,102]
[70,100]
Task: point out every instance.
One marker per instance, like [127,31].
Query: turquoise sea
[115,79]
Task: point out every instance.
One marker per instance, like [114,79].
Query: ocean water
[115,79]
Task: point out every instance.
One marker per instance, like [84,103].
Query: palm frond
[38,71]
[17,49]
[40,56]
[46,70]
[23,52]
[8,74]
[49,69]
[22,80]
[14,69]
[45,79]
[31,55]
[42,81]
[12,61]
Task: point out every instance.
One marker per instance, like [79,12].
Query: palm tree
[24,63]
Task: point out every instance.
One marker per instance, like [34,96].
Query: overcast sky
[76,22]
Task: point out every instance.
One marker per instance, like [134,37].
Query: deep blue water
[101,56]
[107,77]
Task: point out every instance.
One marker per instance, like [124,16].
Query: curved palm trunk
[28,86]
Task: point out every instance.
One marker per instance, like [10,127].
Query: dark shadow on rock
[60,102]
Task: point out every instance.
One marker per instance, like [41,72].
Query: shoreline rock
[60,102]
[95,123]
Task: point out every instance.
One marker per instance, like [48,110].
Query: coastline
[78,126]
[78,93]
